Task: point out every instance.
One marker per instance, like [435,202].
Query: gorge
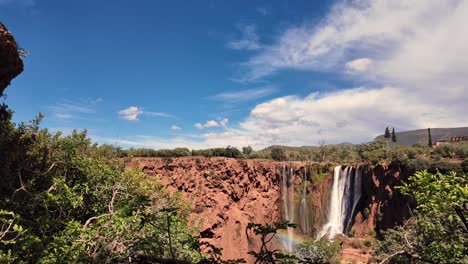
[322,199]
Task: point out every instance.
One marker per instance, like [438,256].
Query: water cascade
[288,205]
[345,195]
[300,206]
[304,221]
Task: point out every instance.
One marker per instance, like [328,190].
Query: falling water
[357,195]
[345,195]
[288,205]
[304,209]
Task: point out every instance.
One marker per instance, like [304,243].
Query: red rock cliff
[226,194]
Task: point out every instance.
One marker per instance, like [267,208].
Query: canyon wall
[226,194]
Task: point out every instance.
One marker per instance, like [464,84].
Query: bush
[73,202]
[464,166]
[320,251]
[278,154]
[444,167]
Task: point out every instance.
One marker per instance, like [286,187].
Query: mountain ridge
[420,136]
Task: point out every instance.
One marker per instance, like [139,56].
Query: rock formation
[11,64]
[226,194]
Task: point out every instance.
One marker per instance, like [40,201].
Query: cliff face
[226,194]
[11,64]
[382,207]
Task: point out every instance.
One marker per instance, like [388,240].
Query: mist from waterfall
[345,195]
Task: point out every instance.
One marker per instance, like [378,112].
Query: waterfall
[304,209]
[288,204]
[356,196]
[345,195]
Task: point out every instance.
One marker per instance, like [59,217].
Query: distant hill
[420,136]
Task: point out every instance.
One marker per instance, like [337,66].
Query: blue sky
[201,74]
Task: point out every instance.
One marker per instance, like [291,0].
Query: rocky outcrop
[11,64]
[382,206]
[226,194]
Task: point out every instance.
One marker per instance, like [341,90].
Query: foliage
[267,232]
[452,150]
[429,142]
[464,166]
[438,232]
[394,136]
[387,134]
[278,154]
[319,251]
[64,199]
[247,150]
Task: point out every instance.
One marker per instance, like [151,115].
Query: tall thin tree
[394,137]
[429,143]
[387,133]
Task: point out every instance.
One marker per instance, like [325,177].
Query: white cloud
[224,122]
[399,46]
[133,112]
[417,68]
[386,29]
[76,109]
[161,114]
[130,113]
[176,128]
[213,123]
[244,95]
[248,41]
[359,65]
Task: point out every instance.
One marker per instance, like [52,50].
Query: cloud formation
[397,45]
[133,112]
[76,109]
[176,128]
[130,113]
[249,39]
[411,52]
[212,123]
[359,65]
[244,95]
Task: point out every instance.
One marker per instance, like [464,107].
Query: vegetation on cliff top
[437,232]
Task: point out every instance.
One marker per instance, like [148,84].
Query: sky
[208,73]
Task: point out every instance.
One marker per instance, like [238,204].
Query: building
[440,142]
[451,140]
[459,139]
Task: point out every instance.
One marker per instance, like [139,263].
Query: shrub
[368,243]
[464,166]
[278,154]
[319,251]
[357,244]
[444,167]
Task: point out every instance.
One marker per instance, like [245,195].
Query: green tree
[247,150]
[429,143]
[65,200]
[394,136]
[387,133]
[278,154]
[265,254]
[438,230]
